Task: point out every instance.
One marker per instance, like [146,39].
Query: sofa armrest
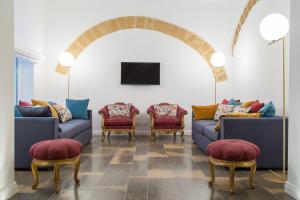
[30,130]
[266,133]
[90,115]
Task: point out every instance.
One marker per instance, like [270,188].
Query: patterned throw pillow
[63,112]
[117,110]
[223,109]
[166,110]
[240,109]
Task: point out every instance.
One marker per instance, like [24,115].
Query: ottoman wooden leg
[231,177]
[35,175]
[57,177]
[252,173]
[212,173]
[76,170]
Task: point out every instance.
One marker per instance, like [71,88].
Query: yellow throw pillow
[238,115]
[44,103]
[204,112]
[247,104]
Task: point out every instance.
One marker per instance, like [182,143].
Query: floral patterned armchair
[166,118]
[118,118]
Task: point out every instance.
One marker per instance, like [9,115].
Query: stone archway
[141,22]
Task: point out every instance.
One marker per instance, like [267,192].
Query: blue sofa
[266,133]
[30,130]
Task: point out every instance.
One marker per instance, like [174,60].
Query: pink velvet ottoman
[233,153]
[55,153]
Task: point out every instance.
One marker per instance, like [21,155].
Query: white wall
[29,26]
[185,78]
[7,183]
[257,67]
[293,185]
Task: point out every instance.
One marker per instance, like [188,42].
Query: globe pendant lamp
[66,59]
[274,28]
[217,60]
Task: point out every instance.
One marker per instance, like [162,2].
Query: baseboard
[186,132]
[9,191]
[292,190]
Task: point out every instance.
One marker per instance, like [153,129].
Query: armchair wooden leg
[133,136]
[57,177]
[129,135]
[153,136]
[252,173]
[103,136]
[182,135]
[108,135]
[76,170]
[35,175]
[212,173]
[231,177]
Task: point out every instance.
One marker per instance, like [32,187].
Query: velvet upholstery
[58,149]
[167,122]
[233,150]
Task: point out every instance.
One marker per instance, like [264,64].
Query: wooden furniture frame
[57,164]
[130,131]
[232,165]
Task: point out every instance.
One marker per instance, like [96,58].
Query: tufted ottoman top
[233,150]
[58,149]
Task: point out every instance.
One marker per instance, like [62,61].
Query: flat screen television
[140,73]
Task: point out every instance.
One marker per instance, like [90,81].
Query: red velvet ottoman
[55,153]
[233,153]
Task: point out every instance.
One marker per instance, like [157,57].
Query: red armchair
[118,124]
[167,124]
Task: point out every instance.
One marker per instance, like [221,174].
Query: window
[23,79]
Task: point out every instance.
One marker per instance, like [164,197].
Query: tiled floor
[145,170]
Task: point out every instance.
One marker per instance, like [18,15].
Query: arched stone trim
[141,22]
[242,20]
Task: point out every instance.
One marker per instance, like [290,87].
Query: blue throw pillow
[268,110]
[17,112]
[33,111]
[78,108]
[234,102]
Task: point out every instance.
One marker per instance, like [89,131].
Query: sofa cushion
[118,121]
[209,131]
[200,124]
[167,121]
[32,111]
[72,128]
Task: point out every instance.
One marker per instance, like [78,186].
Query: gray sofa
[266,133]
[30,130]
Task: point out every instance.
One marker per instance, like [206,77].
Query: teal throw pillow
[268,110]
[78,108]
[234,102]
[17,112]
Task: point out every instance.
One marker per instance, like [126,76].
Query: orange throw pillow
[247,104]
[204,112]
[237,115]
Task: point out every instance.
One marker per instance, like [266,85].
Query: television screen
[137,73]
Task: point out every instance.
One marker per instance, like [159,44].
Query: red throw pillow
[256,106]
[24,103]
[225,101]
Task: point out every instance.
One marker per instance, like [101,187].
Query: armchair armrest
[104,112]
[181,112]
[134,110]
[151,111]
